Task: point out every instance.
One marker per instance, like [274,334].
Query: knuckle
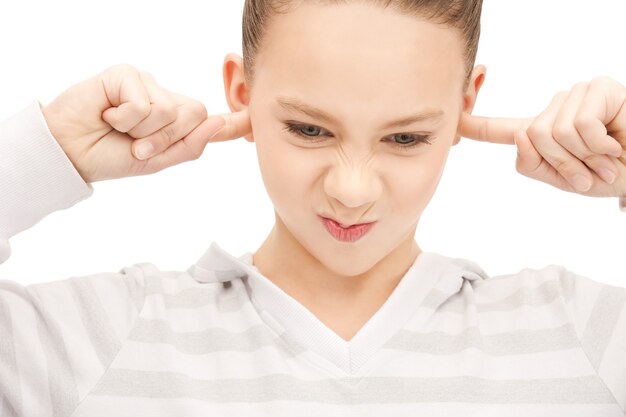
[170,109]
[590,158]
[583,122]
[124,67]
[146,74]
[596,148]
[535,130]
[230,123]
[483,130]
[558,99]
[168,134]
[166,111]
[563,94]
[198,110]
[142,107]
[602,79]
[562,130]
[561,165]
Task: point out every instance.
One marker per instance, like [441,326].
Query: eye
[404,141]
[304,131]
[412,138]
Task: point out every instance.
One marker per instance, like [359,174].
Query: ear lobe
[235,88]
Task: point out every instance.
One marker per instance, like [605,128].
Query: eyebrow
[293,104]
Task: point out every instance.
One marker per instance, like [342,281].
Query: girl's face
[345,99]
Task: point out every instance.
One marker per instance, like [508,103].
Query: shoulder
[557,287]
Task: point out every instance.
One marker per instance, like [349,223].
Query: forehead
[361,52]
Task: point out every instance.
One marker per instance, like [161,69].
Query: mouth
[344,233]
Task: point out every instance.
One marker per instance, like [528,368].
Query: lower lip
[350,234]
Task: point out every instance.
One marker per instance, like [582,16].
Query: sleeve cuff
[36,176]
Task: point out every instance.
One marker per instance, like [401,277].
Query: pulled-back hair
[461,15]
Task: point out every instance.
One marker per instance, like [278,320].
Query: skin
[353,174]
[329,57]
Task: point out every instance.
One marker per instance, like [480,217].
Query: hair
[460,15]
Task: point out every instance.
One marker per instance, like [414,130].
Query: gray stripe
[200,297]
[436,299]
[225,299]
[258,336]
[602,323]
[210,340]
[96,322]
[193,298]
[502,344]
[543,294]
[10,392]
[524,296]
[369,390]
[61,382]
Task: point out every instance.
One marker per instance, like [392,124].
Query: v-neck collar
[429,271]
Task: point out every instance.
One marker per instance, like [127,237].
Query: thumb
[491,129]
[237,125]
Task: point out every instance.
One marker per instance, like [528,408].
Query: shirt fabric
[220,339]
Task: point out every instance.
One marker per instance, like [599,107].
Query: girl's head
[343,97]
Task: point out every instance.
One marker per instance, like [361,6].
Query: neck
[343,303]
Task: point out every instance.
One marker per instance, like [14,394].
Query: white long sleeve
[36,176]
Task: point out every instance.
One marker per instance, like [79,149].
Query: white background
[483,209]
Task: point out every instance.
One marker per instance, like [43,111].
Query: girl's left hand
[574,145]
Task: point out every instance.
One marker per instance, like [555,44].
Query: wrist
[51,119]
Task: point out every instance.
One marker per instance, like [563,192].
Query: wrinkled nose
[354,185]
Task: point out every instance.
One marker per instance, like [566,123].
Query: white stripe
[269,360]
[127,407]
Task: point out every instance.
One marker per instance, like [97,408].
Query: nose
[353,185]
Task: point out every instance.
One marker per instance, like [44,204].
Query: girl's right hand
[102,122]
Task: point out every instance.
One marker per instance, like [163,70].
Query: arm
[598,312]
[56,338]
[36,177]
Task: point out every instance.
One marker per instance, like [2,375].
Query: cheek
[414,181]
[287,171]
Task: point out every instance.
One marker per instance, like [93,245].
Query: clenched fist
[121,123]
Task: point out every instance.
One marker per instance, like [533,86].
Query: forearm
[36,177]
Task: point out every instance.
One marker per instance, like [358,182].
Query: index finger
[237,125]
[491,129]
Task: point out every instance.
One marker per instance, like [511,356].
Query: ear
[235,88]
[469,97]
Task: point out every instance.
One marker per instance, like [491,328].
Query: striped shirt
[220,339]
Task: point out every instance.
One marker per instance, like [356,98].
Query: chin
[355,264]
